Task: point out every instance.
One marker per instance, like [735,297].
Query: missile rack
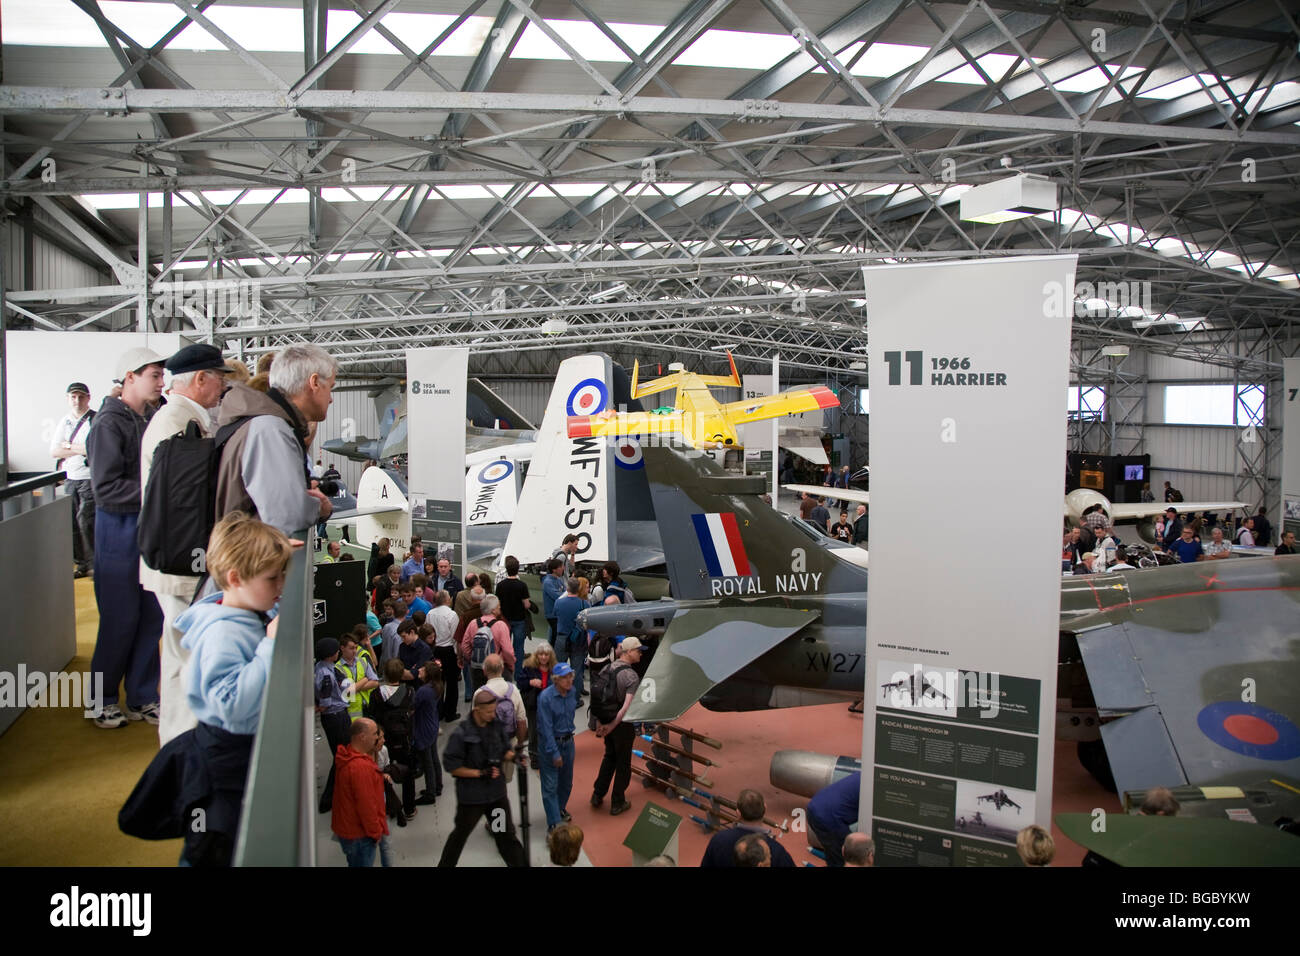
[682,772]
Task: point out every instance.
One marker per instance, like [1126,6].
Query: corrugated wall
[352,413]
[529,396]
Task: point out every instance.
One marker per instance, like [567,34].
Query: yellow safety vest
[355,674]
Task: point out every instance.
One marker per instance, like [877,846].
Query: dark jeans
[359,852]
[446,656]
[338,730]
[617,763]
[832,841]
[130,620]
[431,767]
[518,634]
[467,817]
[83,522]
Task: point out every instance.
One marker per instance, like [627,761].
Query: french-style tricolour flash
[724,552]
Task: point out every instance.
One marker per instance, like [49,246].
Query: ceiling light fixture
[1008,199]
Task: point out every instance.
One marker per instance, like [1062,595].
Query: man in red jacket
[358,816]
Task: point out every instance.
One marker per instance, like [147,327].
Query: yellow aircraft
[699,417]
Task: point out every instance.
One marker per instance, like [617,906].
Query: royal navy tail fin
[722,539]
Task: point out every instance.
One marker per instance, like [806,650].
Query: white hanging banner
[969,368]
[1290,446]
[435,415]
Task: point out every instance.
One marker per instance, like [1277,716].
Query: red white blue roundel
[627,454]
[495,471]
[589,397]
[1250,730]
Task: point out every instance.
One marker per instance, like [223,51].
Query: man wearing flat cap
[130,621]
[69,451]
[198,379]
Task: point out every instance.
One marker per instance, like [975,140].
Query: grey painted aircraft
[1194,670]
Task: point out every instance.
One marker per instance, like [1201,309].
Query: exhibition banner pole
[436,386]
[969,368]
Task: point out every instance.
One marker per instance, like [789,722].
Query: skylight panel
[994,64]
[1172,91]
[1089,81]
[738,51]
[586,38]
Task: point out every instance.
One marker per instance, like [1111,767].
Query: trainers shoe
[110,718]
[618,808]
[596,801]
[564,816]
[148,713]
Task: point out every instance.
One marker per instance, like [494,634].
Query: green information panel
[1000,702]
[909,743]
[653,830]
[900,845]
[915,798]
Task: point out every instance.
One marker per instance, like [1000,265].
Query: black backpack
[396,716]
[606,701]
[179,505]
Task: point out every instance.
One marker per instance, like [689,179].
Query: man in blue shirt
[721,850]
[333,709]
[552,590]
[414,564]
[571,641]
[831,812]
[555,709]
[1187,548]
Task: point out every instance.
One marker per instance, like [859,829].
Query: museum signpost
[969,365]
[435,413]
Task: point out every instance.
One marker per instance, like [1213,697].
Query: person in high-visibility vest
[357,677]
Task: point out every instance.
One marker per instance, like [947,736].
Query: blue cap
[562,670]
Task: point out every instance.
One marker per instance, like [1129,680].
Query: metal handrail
[31,484]
[277,826]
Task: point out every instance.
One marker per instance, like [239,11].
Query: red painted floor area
[749,740]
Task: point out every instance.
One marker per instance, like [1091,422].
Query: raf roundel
[589,397]
[495,471]
[627,454]
[1250,730]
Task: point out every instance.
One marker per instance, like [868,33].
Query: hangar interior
[663,181]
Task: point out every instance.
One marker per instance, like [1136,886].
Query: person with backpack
[476,755]
[198,379]
[486,634]
[613,584]
[612,691]
[511,712]
[392,707]
[571,645]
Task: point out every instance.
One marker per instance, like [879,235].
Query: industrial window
[864,401]
[1213,404]
[1086,403]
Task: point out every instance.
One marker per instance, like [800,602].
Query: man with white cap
[69,450]
[130,621]
[611,695]
[556,706]
[198,378]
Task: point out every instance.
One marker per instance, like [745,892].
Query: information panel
[435,412]
[969,367]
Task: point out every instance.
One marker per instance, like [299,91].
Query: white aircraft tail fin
[492,492]
[383,509]
[570,483]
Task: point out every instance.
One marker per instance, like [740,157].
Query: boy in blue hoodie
[229,642]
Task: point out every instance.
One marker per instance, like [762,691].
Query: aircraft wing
[793,402]
[1181,841]
[702,647]
[1172,672]
[1129,511]
[847,494]
[623,424]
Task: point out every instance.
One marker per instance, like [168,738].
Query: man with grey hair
[485,635]
[198,378]
[859,850]
[263,469]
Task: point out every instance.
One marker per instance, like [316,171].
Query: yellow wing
[774,406]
